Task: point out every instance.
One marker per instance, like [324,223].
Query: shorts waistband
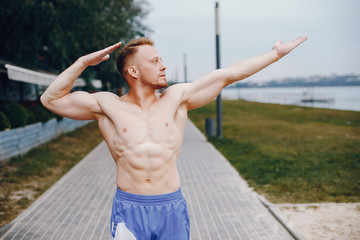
[149,199]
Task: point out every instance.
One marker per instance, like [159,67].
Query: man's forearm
[63,84]
[250,66]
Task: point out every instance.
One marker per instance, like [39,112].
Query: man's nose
[163,67]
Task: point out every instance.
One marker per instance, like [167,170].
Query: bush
[16,114]
[58,117]
[31,117]
[41,114]
[4,122]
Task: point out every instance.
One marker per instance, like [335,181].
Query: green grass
[40,168]
[290,153]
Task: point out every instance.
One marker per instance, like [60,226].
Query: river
[338,97]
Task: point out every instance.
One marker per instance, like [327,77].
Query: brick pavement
[221,205]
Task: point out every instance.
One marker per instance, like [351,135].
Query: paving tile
[221,205]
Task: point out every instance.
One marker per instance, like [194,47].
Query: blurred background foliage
[49,35]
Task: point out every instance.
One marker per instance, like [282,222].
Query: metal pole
[185,68]
[176,75]
[218,98]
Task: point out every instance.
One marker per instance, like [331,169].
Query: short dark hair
[129,49]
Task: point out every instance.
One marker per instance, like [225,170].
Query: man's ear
[133,71]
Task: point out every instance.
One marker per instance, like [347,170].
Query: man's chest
[160,125]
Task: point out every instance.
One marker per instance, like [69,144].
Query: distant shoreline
[244,85]
[315,81]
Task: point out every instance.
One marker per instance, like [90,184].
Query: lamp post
[185,68]
[218,98]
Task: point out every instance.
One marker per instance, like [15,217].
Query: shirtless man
[144,129]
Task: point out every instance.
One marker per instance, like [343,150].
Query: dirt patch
[27,193]
[323,221]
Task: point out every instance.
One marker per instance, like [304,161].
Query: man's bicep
[77,105]
[205,89]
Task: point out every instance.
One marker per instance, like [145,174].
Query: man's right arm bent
[77,105]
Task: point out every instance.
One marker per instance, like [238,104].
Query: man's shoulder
[174,95]
[105,97]
[105,94]
[175,89]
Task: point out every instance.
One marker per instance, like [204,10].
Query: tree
[51,34]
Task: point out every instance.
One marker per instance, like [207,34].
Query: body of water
[343,97]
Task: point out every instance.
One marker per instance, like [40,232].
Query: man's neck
[143,97]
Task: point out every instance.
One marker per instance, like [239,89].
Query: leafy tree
[52,34]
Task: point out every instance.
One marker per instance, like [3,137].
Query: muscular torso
[144,143]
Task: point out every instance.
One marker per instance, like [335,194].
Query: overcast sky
[251,27]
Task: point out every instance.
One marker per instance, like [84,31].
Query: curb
[278,216]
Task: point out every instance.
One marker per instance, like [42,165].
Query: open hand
[95,58]
[284,48]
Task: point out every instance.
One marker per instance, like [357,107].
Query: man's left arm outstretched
[205,89]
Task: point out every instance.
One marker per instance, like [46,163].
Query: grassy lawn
[290,153]
[24,179]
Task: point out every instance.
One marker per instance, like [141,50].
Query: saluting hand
[95,58]
[284,48]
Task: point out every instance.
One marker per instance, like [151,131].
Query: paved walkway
[221,205]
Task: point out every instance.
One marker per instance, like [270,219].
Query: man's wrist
[276,55]
[81,63]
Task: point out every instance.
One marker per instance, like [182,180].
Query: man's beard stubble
[155,85]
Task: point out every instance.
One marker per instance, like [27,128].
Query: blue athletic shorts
[149,217]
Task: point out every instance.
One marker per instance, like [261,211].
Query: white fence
[19,141]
